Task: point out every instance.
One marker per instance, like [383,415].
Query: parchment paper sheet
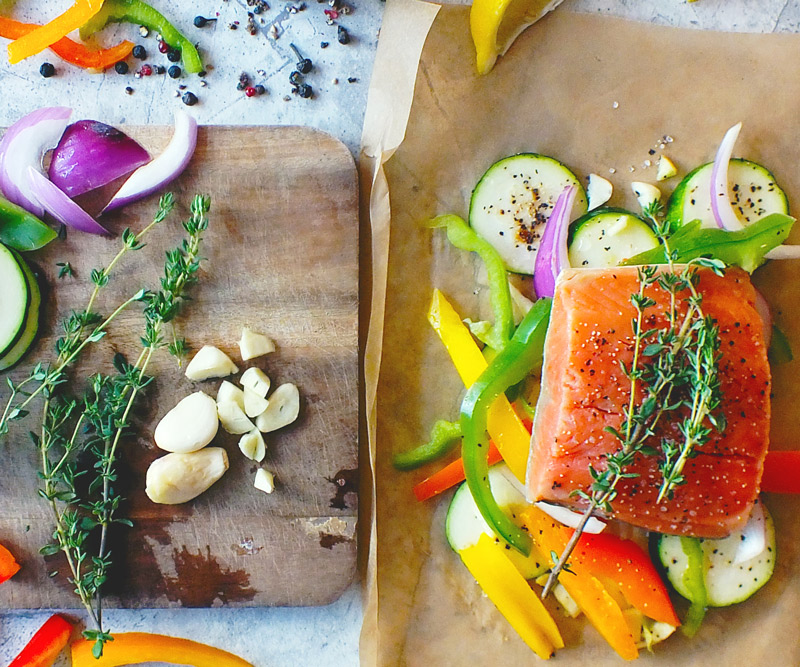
[598,94]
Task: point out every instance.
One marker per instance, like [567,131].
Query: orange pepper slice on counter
[40,38]
[68,50]
[46,644]
[8,564]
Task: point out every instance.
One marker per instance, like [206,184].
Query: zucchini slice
[754,194]
[512,202]
[464,523]
[14,300]
[607,237]
[727,581]
[31,328]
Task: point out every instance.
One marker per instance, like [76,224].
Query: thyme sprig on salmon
[674,370]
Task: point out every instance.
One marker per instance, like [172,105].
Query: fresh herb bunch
[675,369]
[94,425]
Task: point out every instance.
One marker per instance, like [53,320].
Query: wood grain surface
[281,257]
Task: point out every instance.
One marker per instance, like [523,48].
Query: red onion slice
[59,205]
[163,169]
[552,257]
[724,215]
[92,154]
[23,146]
[570,518]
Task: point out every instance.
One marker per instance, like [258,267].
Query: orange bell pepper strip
[131,648]
[40,38]
[44,647]
[504,425]
[781,472]
[515,600]
[69,51]
[8,564]
[449,476]
[588,592]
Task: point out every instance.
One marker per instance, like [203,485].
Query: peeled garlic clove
[257,380]
[646,194]
[252,445]
[666,169]
[283,408]
[233,418]
[598,191]
[265,481]
[210,362]
[177,478]
[254,404]
[230,392]
[254,344]
[189,426]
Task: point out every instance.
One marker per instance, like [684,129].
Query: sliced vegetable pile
[528,215]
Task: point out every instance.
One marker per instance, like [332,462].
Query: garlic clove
[179,477]
[265,481]
[254,344]
[210,362]
[252,445]
[257,380]
[189,426]
[254,404]
[233,418]
[230,392]
[283,408]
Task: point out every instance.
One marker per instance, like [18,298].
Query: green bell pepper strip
[523,352]
[463,237]
[21,230]
[694,580]
[745,248]
[140,13]
[444,436]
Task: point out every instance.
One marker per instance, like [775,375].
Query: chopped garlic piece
[265,481]
[666,168]
[233,418]
[210,362]
[646,194]
[598,191]
[283,408]
[252,445]
[257,380]
[254,404]
[254,344]
[230,392]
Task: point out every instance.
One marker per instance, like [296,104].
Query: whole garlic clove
[257,380]
[254,404]
[252,445]
[265,481]
[230,392]
[254,344]
[189,426]
[210,362]
[178,478]
[233,418]
[283,408]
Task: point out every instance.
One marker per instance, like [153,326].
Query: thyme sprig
[674,369]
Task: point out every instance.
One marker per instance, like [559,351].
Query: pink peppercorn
[250,91]
[146,70]
[163,47]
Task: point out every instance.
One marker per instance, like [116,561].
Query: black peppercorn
[323,45]
[304,65]
[174,72]
[160,69]
[295,78]
[121,67]
[304,90]
[342,35]
[260,90]
[139,52]
[189,99]
[173,55]
[47,70]
[129,91]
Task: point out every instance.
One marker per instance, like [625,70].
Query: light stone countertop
[281,636]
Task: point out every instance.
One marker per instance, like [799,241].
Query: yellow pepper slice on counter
[44,36]
[504,425]
[603,612]
[132,648]
[514,598]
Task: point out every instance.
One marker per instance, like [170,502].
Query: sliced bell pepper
[781,472]
[515,600]
[588,592]
[522,354]
[66,49]
[131,648]
[21,230]
[40,38]
[626,564]
[8,564]
[449,476]
[444,436]
[46,644]
[694,579]
[504,425]
[140,13]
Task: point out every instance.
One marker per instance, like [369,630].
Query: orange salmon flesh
[584,390]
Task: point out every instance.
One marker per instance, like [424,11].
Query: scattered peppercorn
[144,31]
[202,21]
[304,65]
[202,72]
[173,55]
[121,67]
[146,70]
[250,91]
[304,90]
[174,72]
[189,99]
[163,47]
[352,79]
[47,70]
[259,88]
[295,78]
[324,45]
[139,52]
[342,35]
[129,91]
[234,25]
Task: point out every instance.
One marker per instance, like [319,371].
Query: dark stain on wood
[328,541]
[195,570]
[346,481]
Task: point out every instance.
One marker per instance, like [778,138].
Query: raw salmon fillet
[584,391]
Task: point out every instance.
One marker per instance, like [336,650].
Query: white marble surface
[277,637]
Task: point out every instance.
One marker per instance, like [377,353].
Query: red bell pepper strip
[449,476]
[8,565]
[68,50]
[46,644]
[781,472]
[625,563]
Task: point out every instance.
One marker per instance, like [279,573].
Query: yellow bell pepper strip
[132,648]
[8,564]
[515,600]
[39,39]
[44,647]
[504,425]
[588,592]
[69,51]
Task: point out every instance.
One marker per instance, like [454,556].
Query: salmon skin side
[584,391]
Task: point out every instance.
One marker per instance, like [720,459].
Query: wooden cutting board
[281,257]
